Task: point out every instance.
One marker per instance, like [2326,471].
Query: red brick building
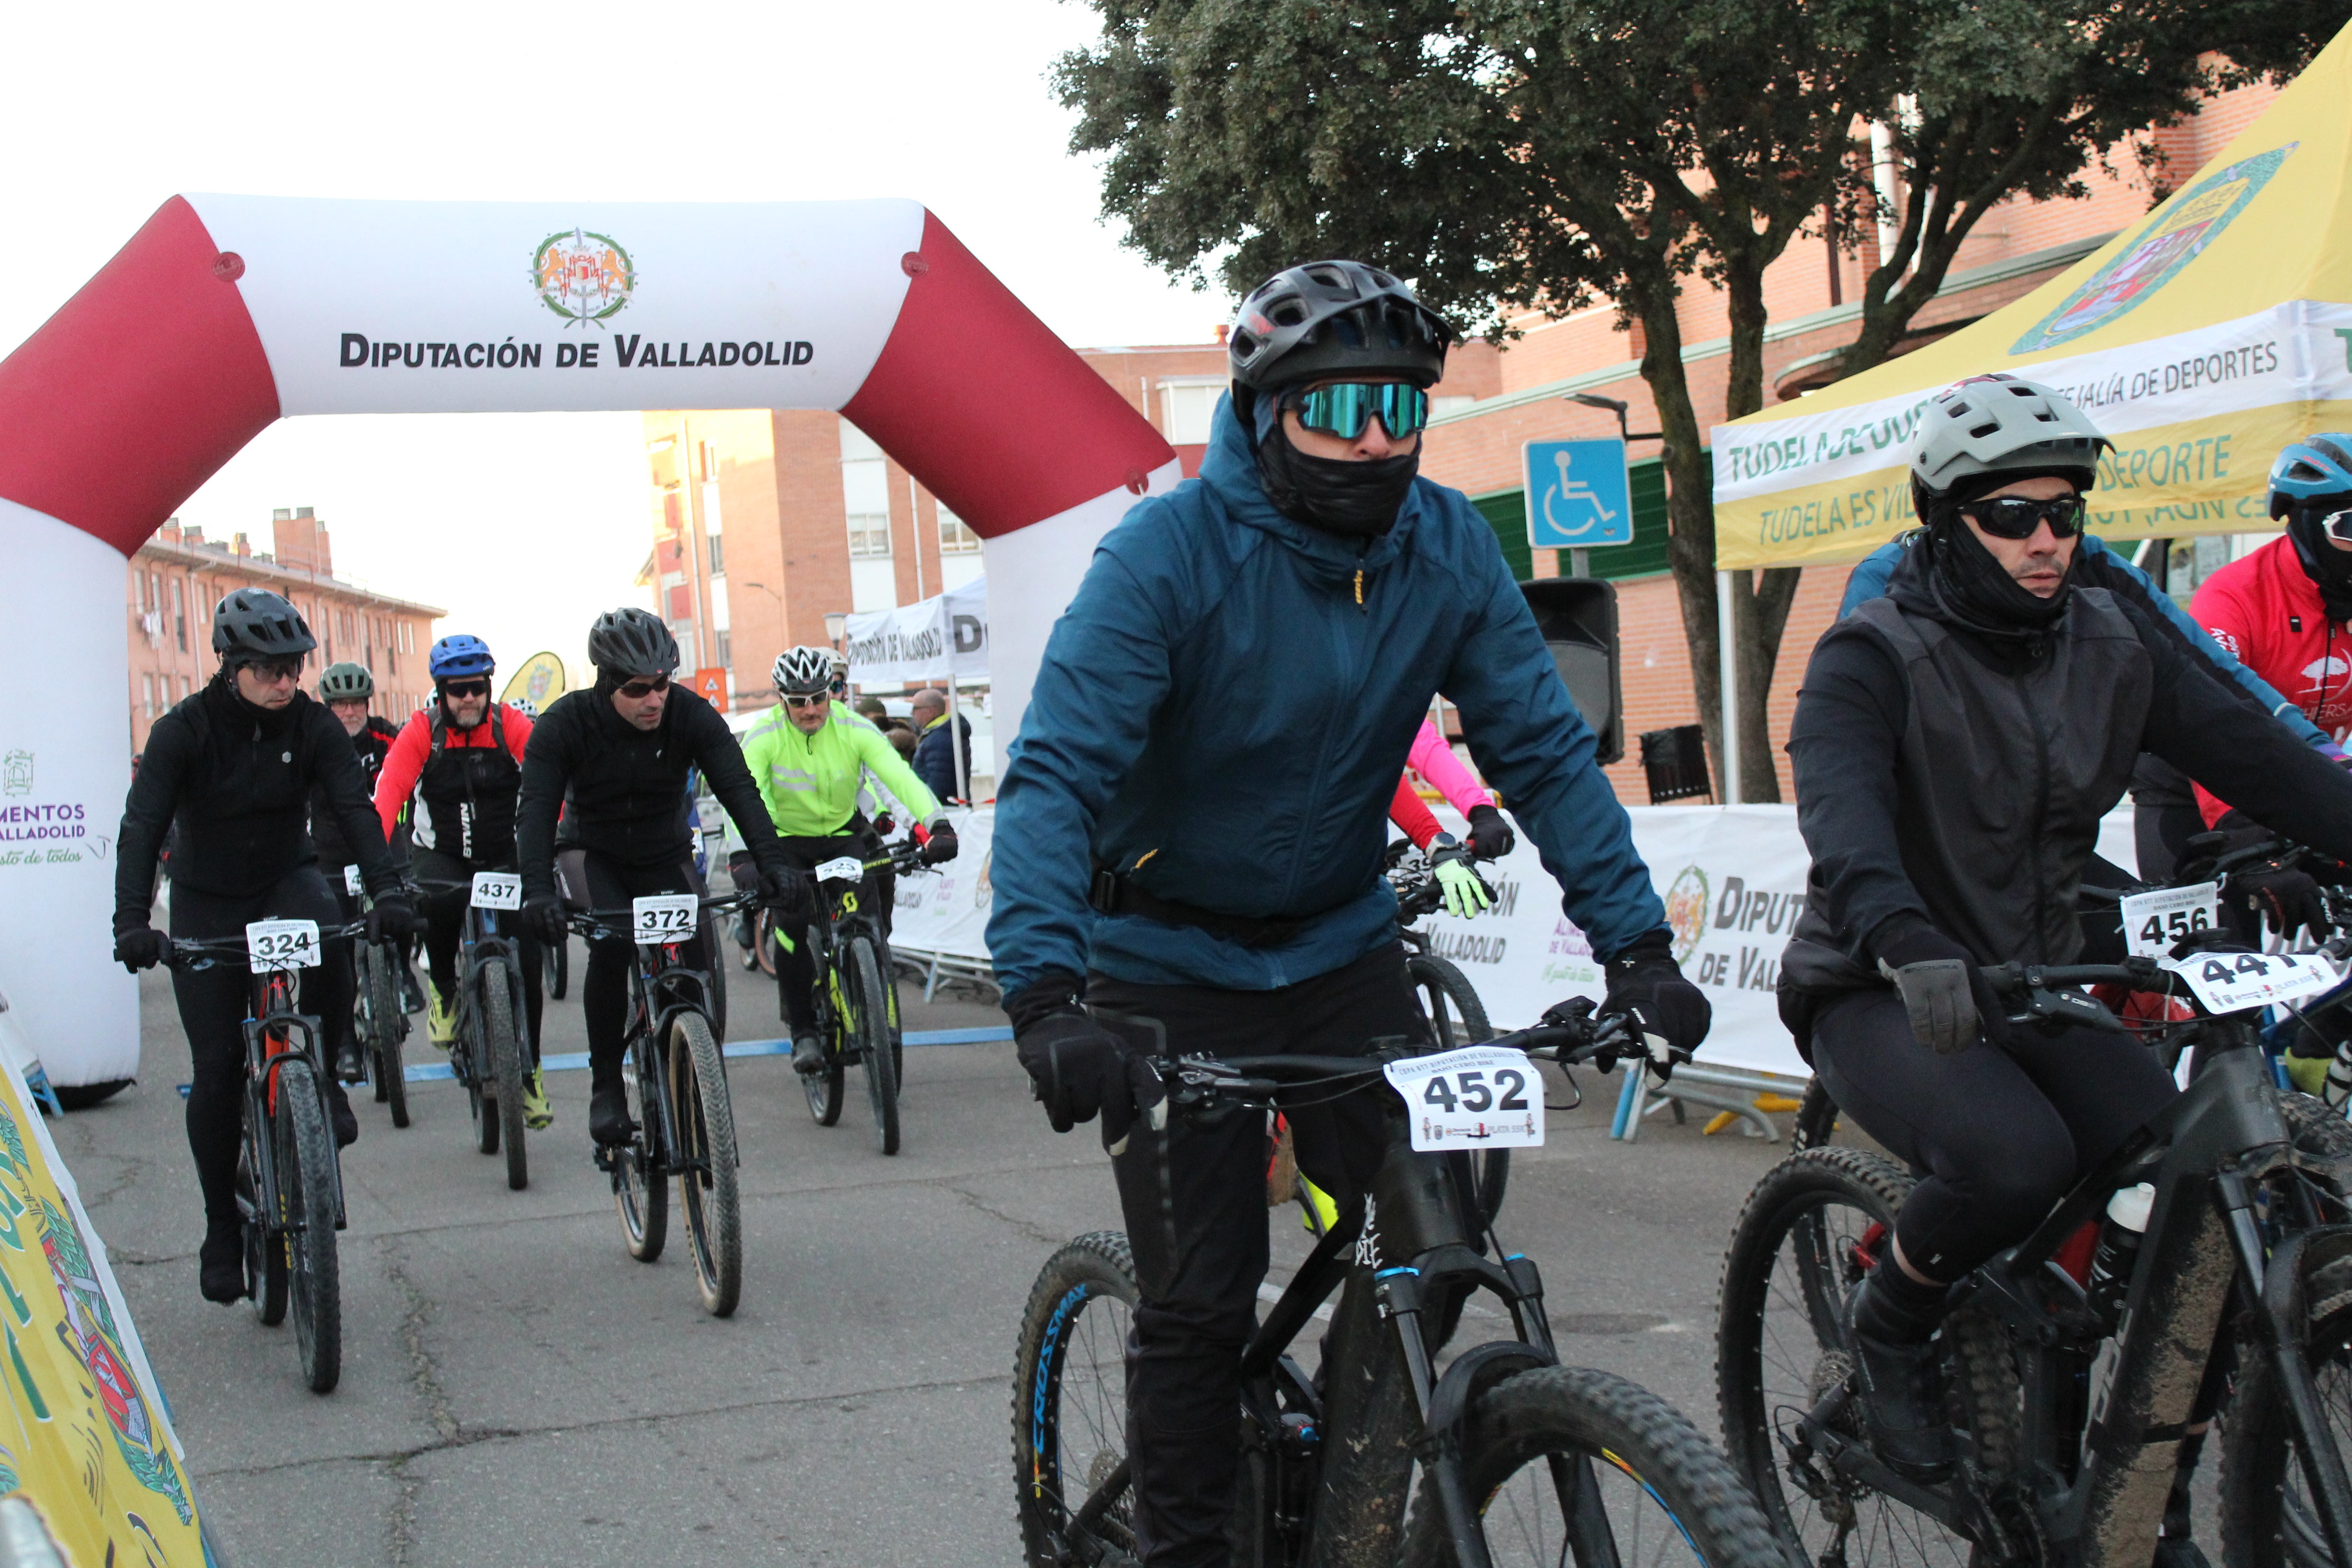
[176,578]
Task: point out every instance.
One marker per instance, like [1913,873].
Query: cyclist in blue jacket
[1190,829]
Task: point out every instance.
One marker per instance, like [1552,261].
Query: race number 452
[1479,1095]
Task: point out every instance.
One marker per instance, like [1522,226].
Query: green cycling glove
[1466,894]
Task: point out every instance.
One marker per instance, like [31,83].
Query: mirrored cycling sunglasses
[818,700]
[2338,525]
[644,686]
[2015,517]
[1345,407]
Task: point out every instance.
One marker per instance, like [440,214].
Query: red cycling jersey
[2265,609]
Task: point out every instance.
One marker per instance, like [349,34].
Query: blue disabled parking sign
[1578,496]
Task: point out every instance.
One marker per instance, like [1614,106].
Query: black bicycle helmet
[255,624]
[629,643]
[1334,319]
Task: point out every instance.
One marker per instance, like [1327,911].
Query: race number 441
[1479,1096]
[2228,982]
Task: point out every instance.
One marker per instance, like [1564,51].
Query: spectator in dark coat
[935,758]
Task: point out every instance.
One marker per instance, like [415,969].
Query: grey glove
[1948,1001]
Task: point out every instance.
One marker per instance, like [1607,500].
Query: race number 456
[664,918]
[1477,1095]
[281,944]
[2154,921]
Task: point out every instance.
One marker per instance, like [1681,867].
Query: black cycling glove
[1950,1002]
[390,919]
[543,916]
[1078,1069]
[141,947]
[1645,981]
[1490,835]
[2284,897]
[783,890]
[940,847]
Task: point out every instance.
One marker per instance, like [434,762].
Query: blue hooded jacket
[2100,567]
[1225,710]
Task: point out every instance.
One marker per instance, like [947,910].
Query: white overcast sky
[524,526]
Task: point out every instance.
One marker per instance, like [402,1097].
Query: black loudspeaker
[1578,618]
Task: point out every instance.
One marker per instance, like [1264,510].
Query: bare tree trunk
[1690,518]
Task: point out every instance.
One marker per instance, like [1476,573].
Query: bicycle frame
[2097,1483]
[661,986]
[267,1048]
[836,918]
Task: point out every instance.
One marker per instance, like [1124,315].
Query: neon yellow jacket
[810,782]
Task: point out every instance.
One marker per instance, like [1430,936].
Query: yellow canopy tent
[2201,340]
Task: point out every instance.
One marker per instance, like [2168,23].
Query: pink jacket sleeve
[1434,760]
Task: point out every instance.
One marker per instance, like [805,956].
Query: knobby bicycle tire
[1817,1119]
[496,998]
[2267,1519]
[1578,1422]
[639,1193]
[265,1244]
[1768,1373]
[391,1024]
[869,1010]
[708,1200]
[825,1087]
[472,1042]
[556,968]
[1069,1403]
[306,1153]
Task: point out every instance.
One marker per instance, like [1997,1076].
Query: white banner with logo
[945,909]
[941,636]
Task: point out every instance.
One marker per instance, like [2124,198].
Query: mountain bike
[290,1184]
[380,1019]
[1522,1460]
[857,1002]
[2074,1365]
[682,1120]
[490,1055]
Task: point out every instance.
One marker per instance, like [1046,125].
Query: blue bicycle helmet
[460,656]
[2314,467]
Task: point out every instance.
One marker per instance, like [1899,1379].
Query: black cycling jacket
[371,743]
[239,782]
[626,784]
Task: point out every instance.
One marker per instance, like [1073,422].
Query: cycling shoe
[220,1263]
[608,1117]
[1902,1398]
[808,1054]
[339,1109]
[349,1064]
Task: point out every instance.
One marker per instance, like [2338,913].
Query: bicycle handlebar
[1197,1080]
[588,922]
[194,954]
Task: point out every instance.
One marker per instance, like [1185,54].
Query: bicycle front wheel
[389,1024]
[1570,1464]
[496,999]
[705,1161]
[868,1023]
[555,968]
[1069,1405]
[264,1246]
[639,1193]
[305,1152]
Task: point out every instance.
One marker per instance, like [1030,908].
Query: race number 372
[1480,1096]
[664,918]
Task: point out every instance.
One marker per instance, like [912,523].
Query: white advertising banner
[368,307]
[945,909]
[928,640]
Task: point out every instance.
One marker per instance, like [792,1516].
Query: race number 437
[498,890]
[664,918]
[1477,1095]
[2154,921]
[281,944]
[2228,982]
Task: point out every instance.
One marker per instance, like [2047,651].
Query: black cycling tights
[2002,1133]
[444,909]
[213,1005]
[595,881]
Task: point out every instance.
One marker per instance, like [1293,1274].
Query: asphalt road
[516,1389]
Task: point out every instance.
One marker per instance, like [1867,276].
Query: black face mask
[1353,499]
[1979,593]
[2329,569]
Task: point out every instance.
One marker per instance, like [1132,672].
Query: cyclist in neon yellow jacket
[809,756]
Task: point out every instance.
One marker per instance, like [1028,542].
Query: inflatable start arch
[224,313]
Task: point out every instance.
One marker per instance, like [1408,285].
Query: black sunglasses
[644,687]
[2015,517]
[467,688]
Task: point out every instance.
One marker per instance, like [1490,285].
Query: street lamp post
[779,607]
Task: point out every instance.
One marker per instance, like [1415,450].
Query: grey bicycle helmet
[525,707]
[1334,319]
[255,624]
[1991,425]
[802,671]
[632,642]
[346,682]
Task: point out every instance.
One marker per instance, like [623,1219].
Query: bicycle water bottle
[2119,1242]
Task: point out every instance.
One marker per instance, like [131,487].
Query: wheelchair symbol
[1570,490]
